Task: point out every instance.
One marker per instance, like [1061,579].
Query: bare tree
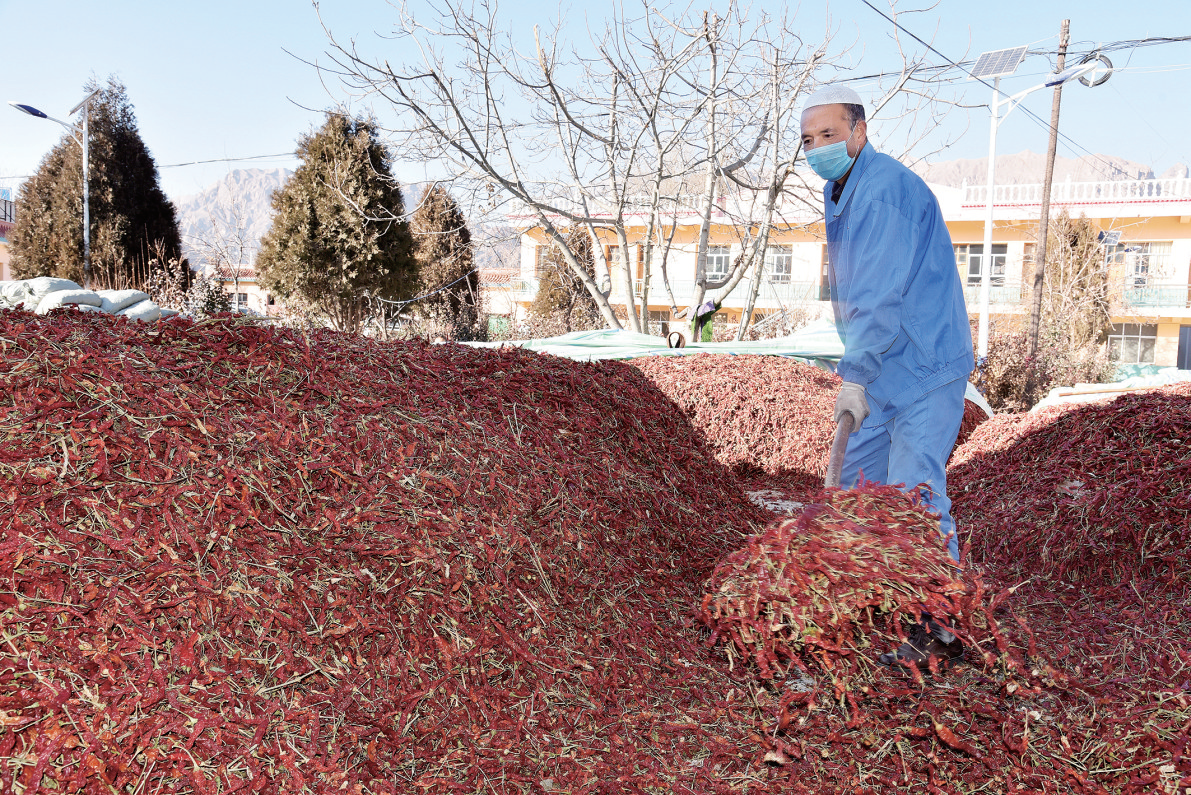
[652,124]
[228,250]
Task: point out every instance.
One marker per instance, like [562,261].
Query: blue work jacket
[895,286]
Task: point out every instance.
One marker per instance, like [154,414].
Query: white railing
[1124,190]
[782,292]
[524,289]
[1166,296]
[1001,291]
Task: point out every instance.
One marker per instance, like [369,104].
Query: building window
[779,263]
[719,261]
[241,302]
[271,301]
[659,322]
[824,277]
[1133,343]
[1139,261]
[1029,262]
[612,256]
[540,256]
[970,256]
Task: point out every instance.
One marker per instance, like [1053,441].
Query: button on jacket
[895,287]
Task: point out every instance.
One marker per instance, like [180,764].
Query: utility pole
[1044,223]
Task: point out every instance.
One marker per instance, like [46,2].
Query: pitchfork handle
[838,447]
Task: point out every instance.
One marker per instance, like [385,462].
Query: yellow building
[244,292]
[7,217]
[1147,250]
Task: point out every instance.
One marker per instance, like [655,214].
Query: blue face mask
[831,161]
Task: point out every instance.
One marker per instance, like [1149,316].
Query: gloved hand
[851,400]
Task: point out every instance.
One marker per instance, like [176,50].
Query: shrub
[1013,381]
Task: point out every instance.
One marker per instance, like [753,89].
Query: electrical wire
[964,66]
[1029,113]
[229,160]
[417,298]
[191,163]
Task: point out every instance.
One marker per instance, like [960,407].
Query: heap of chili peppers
[766,413]
[242,559]
[1092,493]
[246,559]
[810,602]
[769,418]
[973,417]
[807,590]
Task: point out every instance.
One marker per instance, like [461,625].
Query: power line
[229,160]
[1037,119]
[963,65]
[191,163]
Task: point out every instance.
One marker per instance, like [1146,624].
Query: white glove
[851,400]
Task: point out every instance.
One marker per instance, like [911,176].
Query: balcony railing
[1001,291]
[771,291]
[1125,190]
[1169,296]
[524,288]
[1136,296]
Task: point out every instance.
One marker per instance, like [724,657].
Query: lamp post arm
[75,131]
[1066,76]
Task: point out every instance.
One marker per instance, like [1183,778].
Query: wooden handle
[838,447]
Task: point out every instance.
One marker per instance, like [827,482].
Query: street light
[84,142]
[996,64]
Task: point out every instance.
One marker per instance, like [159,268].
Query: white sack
[14,294]
[44,285]
[144,310]
[61,298]
[115,300]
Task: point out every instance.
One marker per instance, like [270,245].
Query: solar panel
[998,62]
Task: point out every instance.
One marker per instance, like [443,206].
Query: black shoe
[920,646]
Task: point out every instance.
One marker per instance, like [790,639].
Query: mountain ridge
[240,204]
[1027,167]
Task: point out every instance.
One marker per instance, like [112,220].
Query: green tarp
[818,344]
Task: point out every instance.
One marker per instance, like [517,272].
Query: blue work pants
[913,448]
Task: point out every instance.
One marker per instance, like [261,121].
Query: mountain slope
[1028,167]
[237,205]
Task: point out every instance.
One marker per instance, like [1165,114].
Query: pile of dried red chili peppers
[766,413]
[243,559]
[805,589]
[761,415]
[246,559]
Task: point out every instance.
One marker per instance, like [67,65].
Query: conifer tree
[562,303]
[338,240]
[132,221]
[446,265]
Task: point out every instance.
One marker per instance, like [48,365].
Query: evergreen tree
[442,246]
[133,224]
[337,240]
[563,304]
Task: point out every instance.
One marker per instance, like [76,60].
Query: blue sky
[224,79]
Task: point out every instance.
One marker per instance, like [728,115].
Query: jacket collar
[862,160]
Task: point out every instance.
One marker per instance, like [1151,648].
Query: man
[900,308]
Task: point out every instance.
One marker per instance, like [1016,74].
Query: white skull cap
[833,95]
